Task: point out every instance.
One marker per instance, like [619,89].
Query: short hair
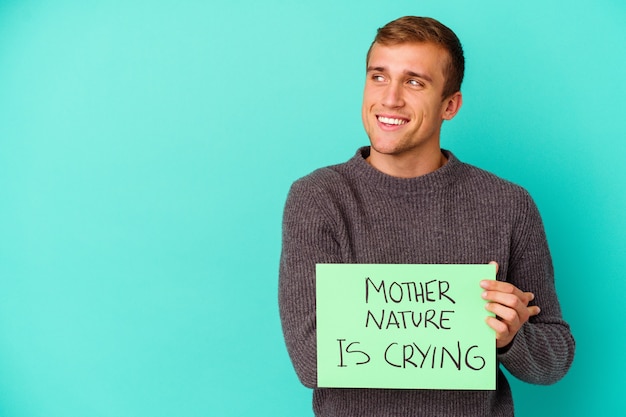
[414,29]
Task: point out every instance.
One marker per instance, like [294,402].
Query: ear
[452,105]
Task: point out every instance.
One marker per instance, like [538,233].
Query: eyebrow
[406,72]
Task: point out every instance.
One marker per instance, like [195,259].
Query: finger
[533,310]
[496,264]
[501,328]
[503,335]
[495,285]
[506,299]
[511,317]
[506,287]
[528,297]
[513,311]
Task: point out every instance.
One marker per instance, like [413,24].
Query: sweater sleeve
[543,349]
[308,238]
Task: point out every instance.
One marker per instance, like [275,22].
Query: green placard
[404,326]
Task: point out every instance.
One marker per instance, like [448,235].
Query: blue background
[146,149]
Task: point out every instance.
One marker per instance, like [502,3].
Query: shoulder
[489,193]
[321,191]
[321,179]
[331,179]
[482,181]
[317,198]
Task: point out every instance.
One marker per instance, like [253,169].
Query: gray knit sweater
[352,213]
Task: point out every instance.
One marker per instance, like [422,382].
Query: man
[405,200]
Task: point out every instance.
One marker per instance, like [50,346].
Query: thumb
[496,264]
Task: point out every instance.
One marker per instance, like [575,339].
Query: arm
[534,344]
[307,240]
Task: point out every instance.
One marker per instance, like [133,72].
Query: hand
[510,305]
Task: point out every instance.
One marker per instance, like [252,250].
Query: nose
[392,96]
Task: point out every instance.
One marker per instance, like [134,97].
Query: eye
[378,78]
[414,83]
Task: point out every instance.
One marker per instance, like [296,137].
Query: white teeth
[390,121]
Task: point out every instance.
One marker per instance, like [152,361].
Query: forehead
[421,57]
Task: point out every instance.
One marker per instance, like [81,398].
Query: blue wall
[146,149]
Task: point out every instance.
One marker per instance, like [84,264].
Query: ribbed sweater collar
[431,182]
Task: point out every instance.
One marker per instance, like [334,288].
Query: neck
[407,165]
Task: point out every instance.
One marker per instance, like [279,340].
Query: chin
[383,145]
[384,150]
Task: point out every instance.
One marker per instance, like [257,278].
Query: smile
[391,120]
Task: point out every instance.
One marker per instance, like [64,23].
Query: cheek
[435,108]
[365,119]
[370,96]
[424,111]
[365,110]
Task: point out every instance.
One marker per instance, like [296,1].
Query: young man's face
[403,107]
